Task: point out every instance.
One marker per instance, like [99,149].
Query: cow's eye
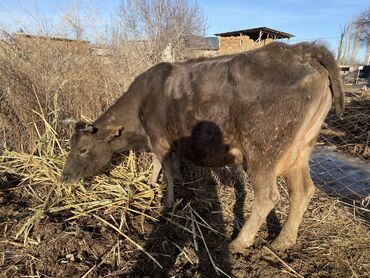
[83,151]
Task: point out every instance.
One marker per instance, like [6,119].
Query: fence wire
[340,164]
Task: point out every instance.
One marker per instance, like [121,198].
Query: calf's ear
[113,132]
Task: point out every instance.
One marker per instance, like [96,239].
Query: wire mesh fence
[350,133]
[340,164]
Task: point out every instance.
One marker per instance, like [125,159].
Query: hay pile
[35,180]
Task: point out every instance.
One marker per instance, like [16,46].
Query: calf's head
[91,150]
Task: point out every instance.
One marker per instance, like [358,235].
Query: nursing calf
[263,109]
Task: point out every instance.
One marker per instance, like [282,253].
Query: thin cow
[262,109]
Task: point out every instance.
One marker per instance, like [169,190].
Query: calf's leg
[301,189]
[266,196]
[170,170]
[157,167]
[165,160]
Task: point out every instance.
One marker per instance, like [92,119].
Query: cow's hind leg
[301,189]
[266,196]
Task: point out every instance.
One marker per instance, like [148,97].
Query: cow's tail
[326,59]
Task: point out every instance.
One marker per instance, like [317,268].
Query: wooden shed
[243,40]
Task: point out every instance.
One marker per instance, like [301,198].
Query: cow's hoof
[238,247]
[282,244]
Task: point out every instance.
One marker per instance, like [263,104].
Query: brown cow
[263,108]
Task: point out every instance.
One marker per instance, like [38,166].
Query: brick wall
[229,45]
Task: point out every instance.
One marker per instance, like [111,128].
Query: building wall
[229,45]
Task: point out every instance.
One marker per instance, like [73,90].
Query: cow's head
[91,150]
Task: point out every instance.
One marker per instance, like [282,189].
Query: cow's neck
[124,114]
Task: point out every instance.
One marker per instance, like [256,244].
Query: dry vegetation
[114,224]
[56,79]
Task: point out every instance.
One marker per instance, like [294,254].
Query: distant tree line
[353,36]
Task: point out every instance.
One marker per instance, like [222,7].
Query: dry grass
[123,186]
[58,79]
[122,190]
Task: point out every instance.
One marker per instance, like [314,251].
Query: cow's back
[256,99]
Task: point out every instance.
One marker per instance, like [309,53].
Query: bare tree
[343,32]
[146,32]
[78,18]
[363,24]
[354,36]
[163,27]
[356,44]
[348,42]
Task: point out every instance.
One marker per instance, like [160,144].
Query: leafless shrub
[148,32]
[55,78]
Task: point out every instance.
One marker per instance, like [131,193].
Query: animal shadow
[189,238]
[193,237]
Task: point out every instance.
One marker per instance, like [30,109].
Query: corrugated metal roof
[255,32]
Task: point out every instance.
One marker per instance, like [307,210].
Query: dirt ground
[192,240]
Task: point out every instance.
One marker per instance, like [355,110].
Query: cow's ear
[113,132]
[85,127]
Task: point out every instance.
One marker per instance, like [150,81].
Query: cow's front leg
[170,167]
[164,159]
[157,167]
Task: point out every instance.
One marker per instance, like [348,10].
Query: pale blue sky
[307,20]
